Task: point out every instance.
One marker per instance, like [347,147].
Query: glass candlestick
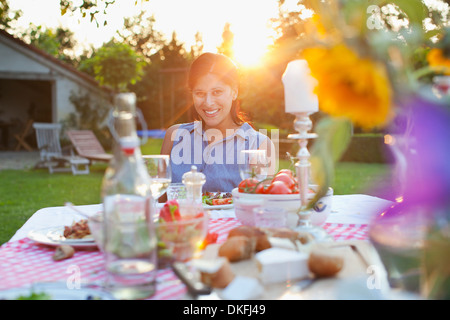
[303,124]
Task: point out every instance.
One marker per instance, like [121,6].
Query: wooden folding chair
[21,137]
[87,145]
[47,136]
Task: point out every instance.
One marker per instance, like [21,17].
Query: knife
[190,279]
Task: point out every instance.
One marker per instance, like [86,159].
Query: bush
[368,149]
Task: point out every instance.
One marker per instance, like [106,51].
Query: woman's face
[212,101]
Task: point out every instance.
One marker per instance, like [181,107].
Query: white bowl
[244,203]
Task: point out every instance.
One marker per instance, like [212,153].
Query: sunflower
[350,86]
[436,58]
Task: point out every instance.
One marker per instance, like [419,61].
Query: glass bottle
[129,238]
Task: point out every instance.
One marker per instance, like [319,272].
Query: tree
[116,65]
[59,42]
[162,90]
[262,89]
[173,54]
[7,16]
[226,47]
[197,47]
[140,34]
[89,8]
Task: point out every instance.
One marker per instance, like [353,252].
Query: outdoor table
[23,262]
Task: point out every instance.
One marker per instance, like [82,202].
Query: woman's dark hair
[225,69]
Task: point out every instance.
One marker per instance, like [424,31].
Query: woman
[213,143]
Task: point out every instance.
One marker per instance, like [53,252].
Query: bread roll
[323,262]
[303,237]
[259,237]
[220,278]
[237,248]
[63,252]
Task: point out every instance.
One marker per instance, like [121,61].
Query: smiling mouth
[212,112]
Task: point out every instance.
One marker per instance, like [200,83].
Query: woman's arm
[167,144]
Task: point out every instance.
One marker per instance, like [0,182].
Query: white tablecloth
[347,209]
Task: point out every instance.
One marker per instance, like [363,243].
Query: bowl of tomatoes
[281,191]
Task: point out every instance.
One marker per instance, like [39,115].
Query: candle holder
[303,124]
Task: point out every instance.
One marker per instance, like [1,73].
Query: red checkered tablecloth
[23,262]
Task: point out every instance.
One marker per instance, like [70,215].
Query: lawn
[23,192]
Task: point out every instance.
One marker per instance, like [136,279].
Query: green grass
[23,192]
[356,177]
[153,146]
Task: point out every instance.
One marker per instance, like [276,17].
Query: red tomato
[286,171]
[219,202]
[261,188]
[278,187]
[248,185]
[284,177]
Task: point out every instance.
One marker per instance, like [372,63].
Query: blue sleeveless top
[217,160]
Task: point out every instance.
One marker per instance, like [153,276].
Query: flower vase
[412,236]
[398,235]
[435,280]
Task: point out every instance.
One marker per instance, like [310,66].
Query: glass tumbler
[270,217]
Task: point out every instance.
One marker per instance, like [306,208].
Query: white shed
[36,86]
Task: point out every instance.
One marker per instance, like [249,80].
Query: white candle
[299,86]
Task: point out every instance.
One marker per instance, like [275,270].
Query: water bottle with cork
[129,245]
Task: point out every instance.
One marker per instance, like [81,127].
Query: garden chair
[87,145]
[21,142]
[47,136]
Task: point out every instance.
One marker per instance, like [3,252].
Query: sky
[248,19]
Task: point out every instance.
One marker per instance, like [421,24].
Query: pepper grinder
[194,181]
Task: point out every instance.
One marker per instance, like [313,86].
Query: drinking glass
[253,163]
[158,167]
[270,217]
[176,191]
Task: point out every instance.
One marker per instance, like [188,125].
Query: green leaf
[334,138]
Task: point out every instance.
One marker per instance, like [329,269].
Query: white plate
[53,236]
[56,292]
[205,206]
[218,207]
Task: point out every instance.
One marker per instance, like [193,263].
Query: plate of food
[217,200]
[54,291]
[76,235]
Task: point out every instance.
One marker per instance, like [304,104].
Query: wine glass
[158,167]
[253,163]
